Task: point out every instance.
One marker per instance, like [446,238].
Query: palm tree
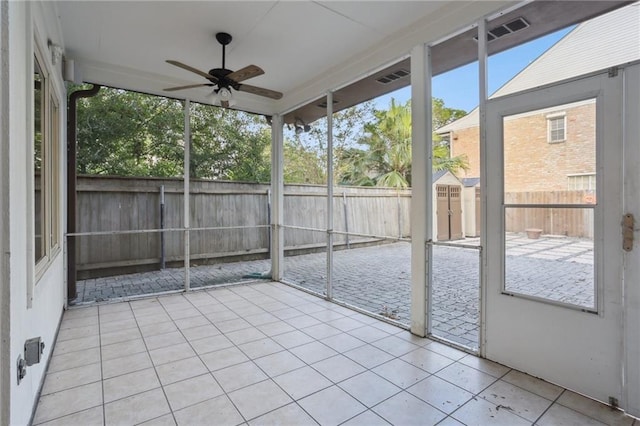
[389,140]
[389,143]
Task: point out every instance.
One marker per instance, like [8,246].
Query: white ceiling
[304,47]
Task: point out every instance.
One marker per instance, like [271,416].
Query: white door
[553,292]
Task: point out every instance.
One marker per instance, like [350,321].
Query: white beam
[631,270]
[421,141]
[482,123]
[277,198]
[186,190]
[5,229]
[329,195]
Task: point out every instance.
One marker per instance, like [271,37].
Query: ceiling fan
[223,80]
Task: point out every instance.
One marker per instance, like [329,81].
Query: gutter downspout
[71,186]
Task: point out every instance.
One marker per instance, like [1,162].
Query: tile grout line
[210,373]
[270,378]
[549,407]
[104,413]
[152,364]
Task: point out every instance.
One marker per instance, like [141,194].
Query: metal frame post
[482,109]
[187,176]
[421,195]
[346,218]
[329,195]
[277,198]
[162,242]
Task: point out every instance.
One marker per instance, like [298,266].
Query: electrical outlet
[33,350]
[21,368]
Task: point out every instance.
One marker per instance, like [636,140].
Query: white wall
[42,318]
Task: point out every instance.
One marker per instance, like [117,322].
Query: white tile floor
[269,354]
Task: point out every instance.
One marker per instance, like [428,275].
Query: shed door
[455,212]
[443,212]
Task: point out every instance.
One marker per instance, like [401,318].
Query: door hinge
[613,72]
[627,232]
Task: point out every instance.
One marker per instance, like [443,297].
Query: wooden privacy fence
[570,222]
[115,204]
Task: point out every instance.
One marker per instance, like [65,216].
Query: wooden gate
[449,212]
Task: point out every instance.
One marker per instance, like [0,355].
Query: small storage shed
[447,216]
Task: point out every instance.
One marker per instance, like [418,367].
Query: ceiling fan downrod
[224,39]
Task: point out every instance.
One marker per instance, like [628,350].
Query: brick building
[552,149]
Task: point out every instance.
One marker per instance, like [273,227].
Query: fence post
[399,214]
[162,255]
[346,218]
[269,219]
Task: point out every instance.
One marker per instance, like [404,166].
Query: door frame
[525,333]
[631,397]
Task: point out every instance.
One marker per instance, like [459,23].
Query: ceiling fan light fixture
[224,94]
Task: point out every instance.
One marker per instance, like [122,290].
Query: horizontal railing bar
[384,237]
[551,206]
[446,244]
[155,231]
[303,228]
[355,234]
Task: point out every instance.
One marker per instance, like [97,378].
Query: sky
[459,87]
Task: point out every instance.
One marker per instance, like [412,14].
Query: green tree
[229,145]
[302,165]
[388,142]
[348,128]
[132,134]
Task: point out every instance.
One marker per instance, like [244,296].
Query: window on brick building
[583,182]
[557,128]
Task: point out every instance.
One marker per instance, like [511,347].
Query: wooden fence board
[124,204]
[571,222]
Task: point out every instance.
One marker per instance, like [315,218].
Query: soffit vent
[396,75]
[324,104]
[504,29]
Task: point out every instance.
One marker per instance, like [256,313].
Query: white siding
[611,39]
[42,318]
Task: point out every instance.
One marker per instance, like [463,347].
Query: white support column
[277,198]
[482,123]
[6,376]
[631,270]
[329,195]
[421,177]
[187,176]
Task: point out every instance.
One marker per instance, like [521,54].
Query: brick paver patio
[378,279]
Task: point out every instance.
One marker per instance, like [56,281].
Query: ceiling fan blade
[245,73]
[188,86]
[193,70]
[260,91]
